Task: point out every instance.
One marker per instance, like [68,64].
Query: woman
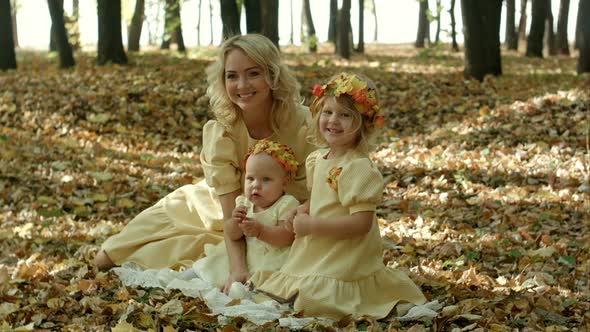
[253,96]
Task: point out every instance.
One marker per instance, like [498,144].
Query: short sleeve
[219,159]
[286,204]
[360,186]
[310,167]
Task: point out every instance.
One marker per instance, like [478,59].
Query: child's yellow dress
[172,232]
[214,267]
[330,277]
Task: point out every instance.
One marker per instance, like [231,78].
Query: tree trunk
[7,55]
[549,31]
[562,43]
[481,25]
[291,21]
[511,37]
[584,37]
[52,40]
[454,45]
[14,25]
[332,23]
[522,21]
[210,23]
[110,43]
[423,24]
[307,23]
[374,12]
[438,10]
[173,26]
[73,28]
[578,29]
[361,44]
[534,44]
[199,24]
[135,27]
[230,18]
[270,20]
[343,44]
[56,10]
[253,16]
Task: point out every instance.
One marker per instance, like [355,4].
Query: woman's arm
[344,227]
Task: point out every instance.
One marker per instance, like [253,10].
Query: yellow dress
[214,267]
[172,232]
[331,277]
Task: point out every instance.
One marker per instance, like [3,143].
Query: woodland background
[487,202]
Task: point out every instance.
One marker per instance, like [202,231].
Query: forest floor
[486,207]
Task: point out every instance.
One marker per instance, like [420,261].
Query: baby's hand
[251,227]
[302,224]
[239,214]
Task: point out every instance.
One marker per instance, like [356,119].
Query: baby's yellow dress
[331,277]
[172,232]
[214,267]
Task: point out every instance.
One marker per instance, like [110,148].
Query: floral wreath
[283,154]
[364,97]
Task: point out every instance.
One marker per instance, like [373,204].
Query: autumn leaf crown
[283,154]
[364,97]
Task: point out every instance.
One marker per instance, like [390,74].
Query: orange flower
[333,175]
[318,91]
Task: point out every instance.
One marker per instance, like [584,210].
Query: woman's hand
[302,224]
[251,227]
[240,277]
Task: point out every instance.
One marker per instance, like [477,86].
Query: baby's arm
[278,236]
[232,225]
[343,227]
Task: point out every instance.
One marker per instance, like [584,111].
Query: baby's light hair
[365,126]
[282,82]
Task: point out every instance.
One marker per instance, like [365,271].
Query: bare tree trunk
[549,32]
[14,25]
[253,16]
[423,25]
[511,37]
[110,43]
[7,54]
[309,29]
[522,21]
[578,28]
[210,23]
[374,11]
[230,18]
[56,10]
[135,28]
[74,31]
[361,44]
[563,46]
[291,21]
[199,25]
[454,45]
[584,37]
[270,20]
[52,40]
[438,10]
[534,44]
[343,44]
[332,24]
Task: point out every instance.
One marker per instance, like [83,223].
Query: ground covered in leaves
[487,203]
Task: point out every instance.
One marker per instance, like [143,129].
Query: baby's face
[265,180]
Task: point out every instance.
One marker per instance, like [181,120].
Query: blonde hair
[282,82]
[364,129]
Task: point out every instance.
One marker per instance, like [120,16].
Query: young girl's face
[245,82]
[336,124]
[266,180]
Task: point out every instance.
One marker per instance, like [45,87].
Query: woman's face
[245,83]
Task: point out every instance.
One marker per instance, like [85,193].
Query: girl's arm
[344,227]
[278,236]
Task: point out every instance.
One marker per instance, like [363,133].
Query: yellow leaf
[125,203]
[124,327]
[99,197]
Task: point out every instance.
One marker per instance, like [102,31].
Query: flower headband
[279,152]
[365,100]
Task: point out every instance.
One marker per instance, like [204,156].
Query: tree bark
[361,43]
[56,10]
[522,21]
[534,45]
[438,10]
[110,43]
[270,20]
[173,26]
[253,16]
[549,31]
[578,29]
[562,43]
[423,25]
[14,25]
[210,23]
[481,25]
[374,12]
[7,54]
[454,45]
[230,18]
[584,37]
[52,39]
[343,44]
[307,23]
[135,27]
[332,24]
[511,37]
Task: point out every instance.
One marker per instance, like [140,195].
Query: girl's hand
[251,227]
[240,277]
[302,224]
